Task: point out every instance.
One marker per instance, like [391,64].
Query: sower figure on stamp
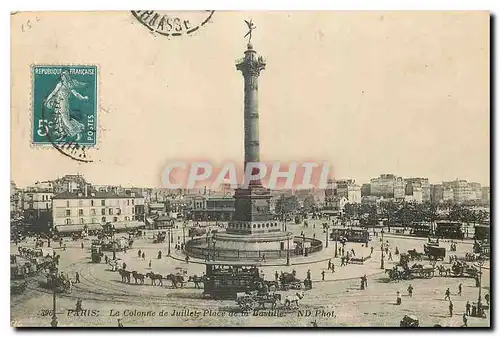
[59,100]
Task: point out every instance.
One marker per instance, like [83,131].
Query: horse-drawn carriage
[434,252]
[58,283]
[414,255]
[463,269]
[254,300]
[403,272]
[289,281]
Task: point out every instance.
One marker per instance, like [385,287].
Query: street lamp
[54,322]
[382,250]
[327,227]
[168,238]
[213,240]
[114,242]
[184,233]
[480,263]
[288,250]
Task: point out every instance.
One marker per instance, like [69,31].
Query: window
[128,202]
[103,219]
[68,212]
[254,226]
[80,211]
[115,219]
[91,202]
[127,218]
[103,202]
[118,211]
[103,211]
[82,221]
[67,203]
[47,205]
[132,201]
[92,211]
[68,221]
[110,211]
[133,211]
[94,220]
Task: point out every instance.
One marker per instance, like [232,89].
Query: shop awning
[94,227]
[69,228]
[120,225]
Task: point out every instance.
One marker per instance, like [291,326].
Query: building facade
[423,183]
[388,186]
[93,208]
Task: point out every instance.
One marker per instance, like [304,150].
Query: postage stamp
[168,23]
[64,106]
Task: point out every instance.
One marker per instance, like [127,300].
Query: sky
[369,92]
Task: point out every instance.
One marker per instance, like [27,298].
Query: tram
[449,230]
[224,280]
[352,234]
[421,229]
[482,232]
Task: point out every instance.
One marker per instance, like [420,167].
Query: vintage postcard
[250,169]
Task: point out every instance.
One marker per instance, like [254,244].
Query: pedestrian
[64,247]
[464,319]
[124,266]
[82,245]
[410,290]
[467,308]
[309,274]
[333,268]
[187,259]
[447,294]
[342,261]
[106,259]
[487,298]
[77,277]
[362,287]
[398,298]
[329,264]
[139,253]
[159,254]
[276,276]
[371,250]
[352,251]
[366,281]
[149,264]
[322,275]
[390,257]
[120,324]
[460,289]
[450,308]
[143,256]
[78,306]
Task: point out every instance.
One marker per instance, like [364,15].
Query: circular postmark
[168,23]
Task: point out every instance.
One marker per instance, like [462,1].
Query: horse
[293,299]
[273,298]
[197,280]
[138,276]
[175,280]
[272,285]
[154,277]
[125,275]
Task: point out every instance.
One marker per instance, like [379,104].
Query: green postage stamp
[64,104]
